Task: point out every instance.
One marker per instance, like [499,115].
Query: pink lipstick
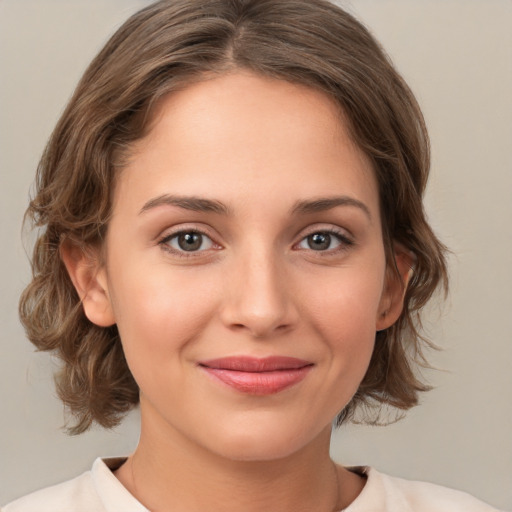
[257,376]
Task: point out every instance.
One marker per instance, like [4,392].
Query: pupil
[319,241]
[190,241]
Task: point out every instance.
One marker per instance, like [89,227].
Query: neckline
[115,496]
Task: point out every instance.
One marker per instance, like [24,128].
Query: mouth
[257,376]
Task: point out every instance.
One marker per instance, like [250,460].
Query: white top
[99,490]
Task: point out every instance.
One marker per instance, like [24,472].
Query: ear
[89,278]
[392,299]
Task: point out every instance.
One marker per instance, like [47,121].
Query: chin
[267,442]
[258,450]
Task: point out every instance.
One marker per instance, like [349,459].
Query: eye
[323,241]
[187,241]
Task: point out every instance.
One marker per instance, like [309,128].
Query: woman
[234,238]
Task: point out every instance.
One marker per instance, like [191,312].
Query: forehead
[251,133]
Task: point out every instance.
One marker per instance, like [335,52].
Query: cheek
[344,314]
[160,313]
[348,301]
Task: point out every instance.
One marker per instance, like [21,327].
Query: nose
[259,297]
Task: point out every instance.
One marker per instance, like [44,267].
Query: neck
[168,472]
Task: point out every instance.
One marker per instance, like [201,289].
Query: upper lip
[255,364]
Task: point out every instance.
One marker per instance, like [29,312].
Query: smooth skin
[282,255]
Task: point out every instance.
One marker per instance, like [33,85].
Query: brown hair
[160,49]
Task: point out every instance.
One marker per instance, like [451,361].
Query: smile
[256,376]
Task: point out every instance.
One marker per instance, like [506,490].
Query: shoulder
[97,490]
[421,496]
[387,493]
[75,495]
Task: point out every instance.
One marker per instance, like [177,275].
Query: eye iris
[319,241]
[190,241]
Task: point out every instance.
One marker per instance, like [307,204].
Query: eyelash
[344,241]
[164,242]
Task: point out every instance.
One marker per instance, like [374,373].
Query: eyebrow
[327,203]
[196,204]
[305,207]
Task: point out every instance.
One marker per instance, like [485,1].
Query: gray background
[456,55]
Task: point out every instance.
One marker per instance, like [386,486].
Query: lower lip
[259,383]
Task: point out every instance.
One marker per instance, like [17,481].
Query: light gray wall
[456,55]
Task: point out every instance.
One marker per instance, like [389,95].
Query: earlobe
[90,281]
[392,300]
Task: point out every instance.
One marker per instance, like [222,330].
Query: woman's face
[245,267]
